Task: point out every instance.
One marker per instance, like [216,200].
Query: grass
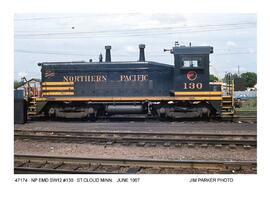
[249,105]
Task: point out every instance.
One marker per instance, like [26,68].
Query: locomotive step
[229,107]
[227,113]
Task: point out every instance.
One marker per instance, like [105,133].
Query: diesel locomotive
[105,88]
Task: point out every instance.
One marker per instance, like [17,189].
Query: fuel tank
[124,109]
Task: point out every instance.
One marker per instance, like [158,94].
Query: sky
[80,37]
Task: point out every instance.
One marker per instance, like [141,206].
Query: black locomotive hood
[103,66]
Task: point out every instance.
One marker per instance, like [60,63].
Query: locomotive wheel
[206,116]
[52,113]
[92,117]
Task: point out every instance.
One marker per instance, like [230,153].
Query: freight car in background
[93,89]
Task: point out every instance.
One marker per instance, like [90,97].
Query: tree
[213,78]
[250,79]
[230,76]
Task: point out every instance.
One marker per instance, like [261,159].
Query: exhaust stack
[142,56]
[108,53]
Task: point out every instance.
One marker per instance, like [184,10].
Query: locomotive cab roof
[185,50]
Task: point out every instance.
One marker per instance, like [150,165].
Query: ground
[183,152]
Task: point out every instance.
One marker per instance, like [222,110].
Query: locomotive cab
[191,82]
[191,72]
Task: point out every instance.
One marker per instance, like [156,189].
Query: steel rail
[145,137]
[213,165]
[26,170]
[17,131]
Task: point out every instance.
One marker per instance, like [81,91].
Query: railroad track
[33,164]
[239,116]
[108,138]
[245,118]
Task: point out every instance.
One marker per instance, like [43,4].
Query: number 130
[192,85]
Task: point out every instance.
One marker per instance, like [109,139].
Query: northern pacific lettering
[103,78]
[85,78]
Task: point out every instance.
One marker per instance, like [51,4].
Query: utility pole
[238,70]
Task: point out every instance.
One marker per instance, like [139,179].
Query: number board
[192,76]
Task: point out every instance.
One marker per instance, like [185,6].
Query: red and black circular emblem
[191,75]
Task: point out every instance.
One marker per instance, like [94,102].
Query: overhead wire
[143,29]
[119,55]
[65,17]
[136,32]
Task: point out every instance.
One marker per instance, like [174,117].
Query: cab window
[188,62]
